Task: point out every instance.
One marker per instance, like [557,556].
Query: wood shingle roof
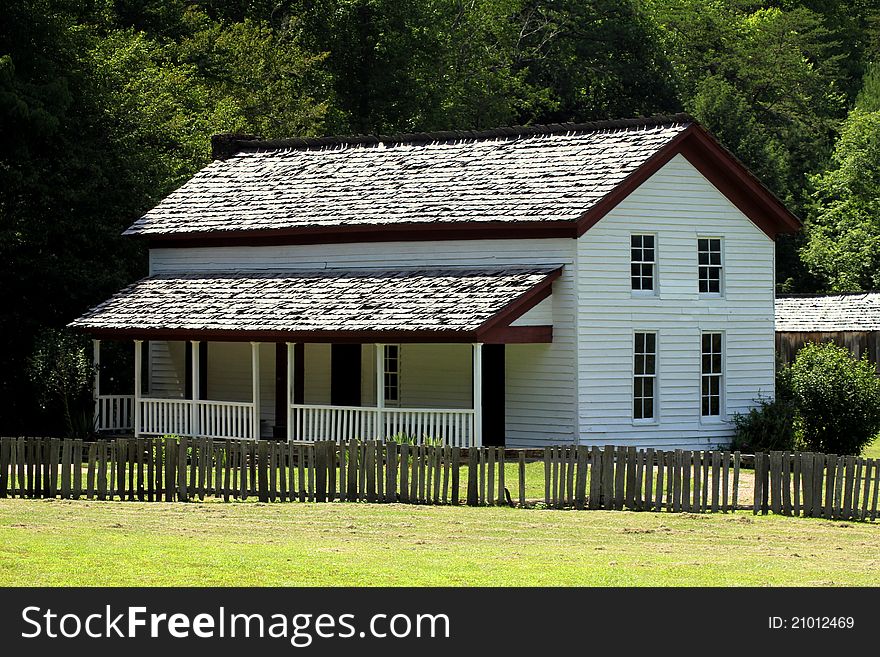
[828,313]
[512,176]
[328,303]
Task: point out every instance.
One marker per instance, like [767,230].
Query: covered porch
[361,391]
[218,365]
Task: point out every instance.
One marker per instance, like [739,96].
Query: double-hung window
[392,373]
[642,263]
[712,374]
[709,264]
[644,376]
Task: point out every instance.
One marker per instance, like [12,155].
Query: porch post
[96,362]
[194,389]
[380,392]
[138,344]
[478,395]
[290,357]
[255,371]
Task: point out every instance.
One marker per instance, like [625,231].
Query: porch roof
[331,305]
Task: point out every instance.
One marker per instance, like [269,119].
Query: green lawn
[54,542]
[872,451]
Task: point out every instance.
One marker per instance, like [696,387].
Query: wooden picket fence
[578,477]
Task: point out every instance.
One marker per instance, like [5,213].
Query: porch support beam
[96,362]
[195,393]
[478,394]
[291,355]
[255,380]
[138,348]
[380,392]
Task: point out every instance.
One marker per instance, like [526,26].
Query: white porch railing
[214,419]
[220,419]
[166,416]
[114,412]
[451,426]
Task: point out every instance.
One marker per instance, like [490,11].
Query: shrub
[837,398]
[768,427]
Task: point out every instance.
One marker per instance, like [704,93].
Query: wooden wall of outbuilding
[858,342]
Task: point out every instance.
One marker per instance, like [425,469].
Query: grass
[55,542]
[872,451]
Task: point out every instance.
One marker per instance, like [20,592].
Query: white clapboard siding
[230,377]
[529,406]
[540,315]
[167,372]
[678,205]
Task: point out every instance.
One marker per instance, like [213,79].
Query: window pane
[648,241]
[636,241]
[648,411]
[651,343]
[650,366]
[702,244]
[714,286]
[716,342]
[705,406]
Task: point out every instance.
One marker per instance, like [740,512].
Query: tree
[837,399]
[62,373]
[843,229]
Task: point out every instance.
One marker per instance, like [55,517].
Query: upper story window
[644,375]
[642,262]
[710,266]
[711,374]
[392,373]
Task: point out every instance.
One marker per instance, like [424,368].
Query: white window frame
[386,372]
[722,378]
[720,266]
[655,418]
[654,267]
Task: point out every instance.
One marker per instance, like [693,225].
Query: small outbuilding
[848,320]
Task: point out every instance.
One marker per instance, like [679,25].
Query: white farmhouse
[597,283]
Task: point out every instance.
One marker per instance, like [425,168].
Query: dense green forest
[107,105]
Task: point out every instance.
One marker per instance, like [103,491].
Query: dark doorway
[345,374]
[493,395]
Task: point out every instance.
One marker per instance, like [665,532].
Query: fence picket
[456,466]
[786,483]
[490,481]
[54,456]
[580,491]
[630,493]
[676,480]
[649,479]
[547,483]
[830,475]
[686,469]
[391,468]
[658,494]
[867,488]
[776,481]
[404,474]
[876,490]
[472,494]
[502,488]
[848,486]
[857,487]
[818,471]
[521,462]
[90,474]
[737,458]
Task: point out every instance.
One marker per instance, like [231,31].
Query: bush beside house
[826,401]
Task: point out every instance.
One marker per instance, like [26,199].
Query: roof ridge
[226,145]
[329,271]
